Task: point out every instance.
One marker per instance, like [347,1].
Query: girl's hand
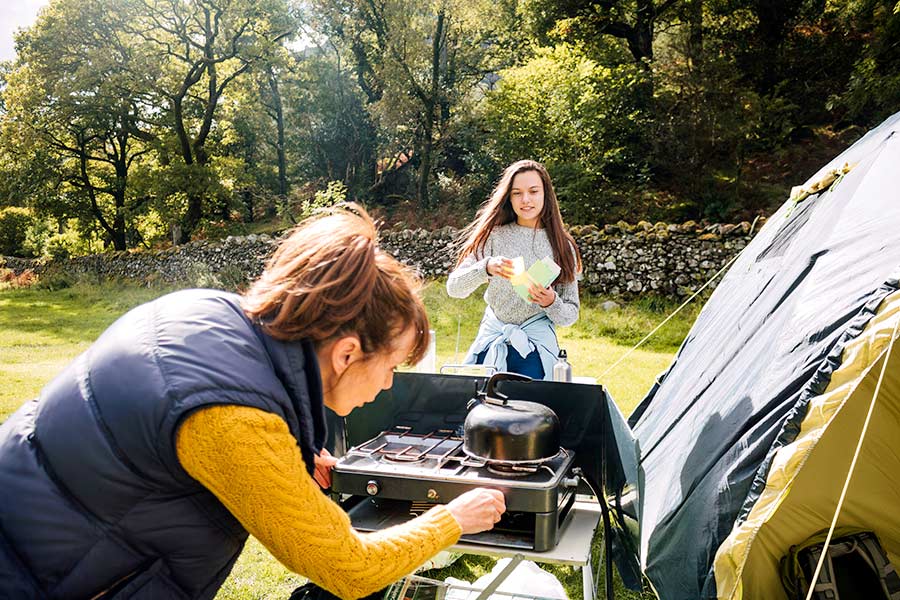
[542,296]
[324,463]
[500,266]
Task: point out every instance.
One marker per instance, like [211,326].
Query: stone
[727,229]
[618,258]
[608,306]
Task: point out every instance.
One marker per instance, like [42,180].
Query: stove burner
[516,469]
[402,457]
[504,470]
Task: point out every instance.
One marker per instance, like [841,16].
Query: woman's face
[365,376]
[526,194]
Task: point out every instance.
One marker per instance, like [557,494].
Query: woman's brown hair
[498,210]
[329,278]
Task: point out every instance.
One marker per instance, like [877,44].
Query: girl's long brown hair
[329,278]
[498,211]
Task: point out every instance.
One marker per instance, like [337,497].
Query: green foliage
[873,89]
[301,206]
[201,275]
[334,193]
[329,132]
[581,118]
[14,225]
[114,122]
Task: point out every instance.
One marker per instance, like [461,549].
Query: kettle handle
[502,376]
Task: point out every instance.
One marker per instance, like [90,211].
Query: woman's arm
[250,461]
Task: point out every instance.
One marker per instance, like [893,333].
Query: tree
[416,61]
[329,133]
[581,118]
[68,119]
[872,92]
[632,21]
[203,47]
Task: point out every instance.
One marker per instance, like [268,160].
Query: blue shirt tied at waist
[495,337]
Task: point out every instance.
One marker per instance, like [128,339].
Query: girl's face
[526,194]
[365,376]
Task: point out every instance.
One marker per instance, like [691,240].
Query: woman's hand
[477,510]
[322,473]
[540,295]
[499,266]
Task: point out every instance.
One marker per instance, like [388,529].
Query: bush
[14,224]
[582,119]
[55,280]
[9,280]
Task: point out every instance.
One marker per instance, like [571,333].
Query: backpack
[856,567]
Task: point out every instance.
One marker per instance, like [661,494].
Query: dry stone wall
[620,260]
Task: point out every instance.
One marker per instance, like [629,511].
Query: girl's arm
[566,305]
[564,310]
[251,462]
[470,274]
[467,277]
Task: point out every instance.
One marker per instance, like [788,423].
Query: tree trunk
[279,144]
[429,113]
[425,162]
[117,234]
[695,32]
[641,41]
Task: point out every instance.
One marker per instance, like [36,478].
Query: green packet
[542,272]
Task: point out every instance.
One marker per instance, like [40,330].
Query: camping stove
[400,474]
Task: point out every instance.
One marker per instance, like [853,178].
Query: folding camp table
[574,548]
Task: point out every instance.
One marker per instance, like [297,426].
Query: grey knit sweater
[510,241]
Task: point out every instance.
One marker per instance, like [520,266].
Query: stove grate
[400,444]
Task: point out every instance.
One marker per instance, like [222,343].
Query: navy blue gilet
[92,496]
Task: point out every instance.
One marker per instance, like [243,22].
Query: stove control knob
[372,487]
[433,495]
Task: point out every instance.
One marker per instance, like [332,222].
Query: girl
[521,218]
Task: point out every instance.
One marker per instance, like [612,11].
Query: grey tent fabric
[765,343]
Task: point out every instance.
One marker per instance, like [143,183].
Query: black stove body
[402,454]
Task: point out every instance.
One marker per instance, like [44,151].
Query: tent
[746,440]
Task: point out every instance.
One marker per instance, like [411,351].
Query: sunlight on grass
[259,576]
[42,331]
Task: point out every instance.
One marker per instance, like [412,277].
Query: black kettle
[501,430]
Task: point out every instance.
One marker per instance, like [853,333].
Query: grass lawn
[42,331]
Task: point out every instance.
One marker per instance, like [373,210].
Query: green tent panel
[746,440]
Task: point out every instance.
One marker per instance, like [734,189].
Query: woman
[198,417]
[521,218]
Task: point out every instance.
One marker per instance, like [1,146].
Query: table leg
[500,578]
[589,591]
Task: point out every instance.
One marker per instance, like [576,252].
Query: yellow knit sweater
[251,462]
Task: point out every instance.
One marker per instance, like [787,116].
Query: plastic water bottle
[428,364]
[562,370]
